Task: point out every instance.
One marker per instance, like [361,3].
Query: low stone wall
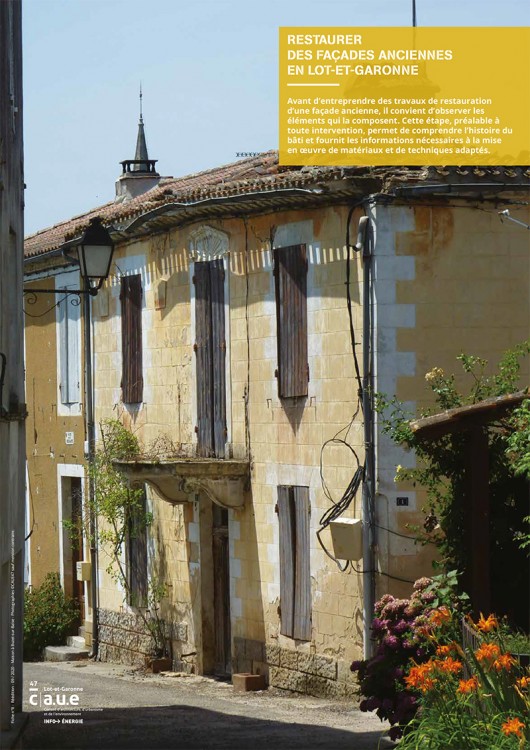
[298,671]
[125,639]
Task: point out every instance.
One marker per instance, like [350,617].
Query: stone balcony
[179,480]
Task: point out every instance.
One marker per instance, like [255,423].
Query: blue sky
[209,72]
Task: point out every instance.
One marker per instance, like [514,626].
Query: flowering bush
[48,616]
[403,630]
[469,699]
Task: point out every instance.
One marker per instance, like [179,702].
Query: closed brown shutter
[295,572]
[210,348]
[302,594]
[132,382]
[203,350]
[217,276]
[287,560]
[290,268]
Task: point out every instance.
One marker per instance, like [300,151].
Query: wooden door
[221,591]
[210,349]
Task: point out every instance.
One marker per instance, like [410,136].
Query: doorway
[72,536]
[216,652]
[221,591]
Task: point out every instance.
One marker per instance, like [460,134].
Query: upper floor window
[132,382]
[290,272]
[69,332]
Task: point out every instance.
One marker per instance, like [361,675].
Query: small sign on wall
[69,438]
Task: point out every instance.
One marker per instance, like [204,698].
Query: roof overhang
[465,417]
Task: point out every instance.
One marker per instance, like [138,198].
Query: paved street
[123,710]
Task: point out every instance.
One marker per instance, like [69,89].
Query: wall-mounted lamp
[93,252]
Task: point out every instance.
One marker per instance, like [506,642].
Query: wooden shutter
[290,268]
[295,571]
[287,560]
[204,363]
[131,335]
[302,593]
[138,555]
[69,357]
[218,342]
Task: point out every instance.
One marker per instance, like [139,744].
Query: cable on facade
[246,395]
[349,301]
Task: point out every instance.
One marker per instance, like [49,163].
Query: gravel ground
[124,709]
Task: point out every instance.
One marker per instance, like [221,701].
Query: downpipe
[365,244]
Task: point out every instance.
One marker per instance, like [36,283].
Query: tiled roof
[255,174]
[244,176]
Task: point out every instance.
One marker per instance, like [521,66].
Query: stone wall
[298,671]
[125,639]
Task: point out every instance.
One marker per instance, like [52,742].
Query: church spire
[141,154]
[139,174]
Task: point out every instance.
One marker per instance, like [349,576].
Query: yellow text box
[394,96]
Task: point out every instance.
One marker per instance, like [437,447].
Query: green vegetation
[48,617]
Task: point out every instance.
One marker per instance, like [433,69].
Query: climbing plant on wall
[440,466]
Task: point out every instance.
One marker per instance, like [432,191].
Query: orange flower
[439,616]
[450,665]
[488,652]
[513,726]
[444,650]
[504,661]
[523,682]
[467,686]
[420,678]
[487,624]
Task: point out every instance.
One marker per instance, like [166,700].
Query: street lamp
[94,255]
[93,251]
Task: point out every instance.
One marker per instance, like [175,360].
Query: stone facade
[125,638]
[295,670]
[425,312]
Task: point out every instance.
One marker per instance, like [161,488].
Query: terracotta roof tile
[244,176]
[250,175]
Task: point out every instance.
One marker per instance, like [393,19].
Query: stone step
[77,641]
[65,653]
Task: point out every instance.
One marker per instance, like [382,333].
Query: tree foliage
[440,466]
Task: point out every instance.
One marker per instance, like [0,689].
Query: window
[132,381]
[210,349]
[137,554]
[68,312]
[295,577]
[290,271]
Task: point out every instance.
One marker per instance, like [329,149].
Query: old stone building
[251,312]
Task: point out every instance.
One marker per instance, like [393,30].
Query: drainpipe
[91,443]
[364,243]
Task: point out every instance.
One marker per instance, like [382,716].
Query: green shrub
[48,617]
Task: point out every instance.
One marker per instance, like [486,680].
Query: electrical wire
[246,397]
[349,302]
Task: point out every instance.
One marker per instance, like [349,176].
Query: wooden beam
[477,520]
